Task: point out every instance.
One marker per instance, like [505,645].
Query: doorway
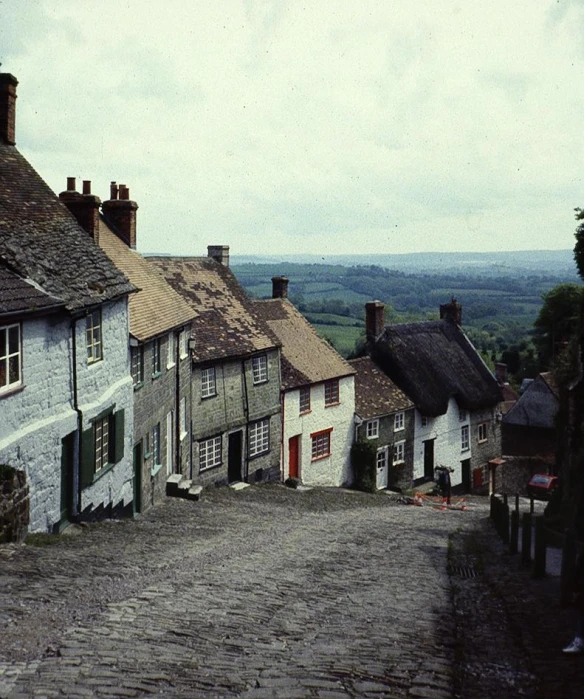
[294,457]
[466,484]
[429,459]
[67,459]
[234,454]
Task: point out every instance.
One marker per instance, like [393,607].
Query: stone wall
[14,505]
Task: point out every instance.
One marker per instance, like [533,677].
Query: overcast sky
[314,126]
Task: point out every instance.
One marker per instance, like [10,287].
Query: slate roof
[375,393]
[157,307]
[537,406]
[40,240]
[18,295]
[306,357]
[226,325]
[433,361]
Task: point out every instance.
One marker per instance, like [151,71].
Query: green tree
[579,247]
[557,321]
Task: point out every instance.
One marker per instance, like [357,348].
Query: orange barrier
[439,502]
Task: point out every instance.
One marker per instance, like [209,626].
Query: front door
[234,456]
[429,459]
[382,468]
[294,457]
[465,465]
[67,457]
[138,478]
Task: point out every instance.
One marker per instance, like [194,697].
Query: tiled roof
[306,357]
[18,295]
[157,307]
[375,393]
[225,325]
[433,361]
[40,240]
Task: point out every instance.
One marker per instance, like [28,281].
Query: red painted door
[293,453]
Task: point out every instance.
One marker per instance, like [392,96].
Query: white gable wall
[333,470]
[446,430]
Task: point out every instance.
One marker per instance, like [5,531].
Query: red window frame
[322,444]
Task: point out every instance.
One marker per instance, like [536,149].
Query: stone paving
[266,592]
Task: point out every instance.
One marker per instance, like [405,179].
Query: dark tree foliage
[557,321]
[579,247]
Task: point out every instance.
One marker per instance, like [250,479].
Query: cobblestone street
[260,593]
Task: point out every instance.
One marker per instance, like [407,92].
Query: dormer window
[93,337]
[372,429]
[260,368]
[399,422]
[10,357]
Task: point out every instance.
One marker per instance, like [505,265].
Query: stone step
[239,485]
[183,488]
[172,483]
[194,492]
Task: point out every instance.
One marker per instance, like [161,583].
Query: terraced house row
[123,375]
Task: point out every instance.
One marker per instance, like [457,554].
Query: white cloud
[283,127]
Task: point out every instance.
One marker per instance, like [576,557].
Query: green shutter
[87,457]
[118,436]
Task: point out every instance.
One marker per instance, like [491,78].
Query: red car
[541,485]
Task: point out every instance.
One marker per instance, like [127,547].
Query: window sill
[100,473]
[332,405]
[258,383]
[182,436]
[482,441]
[399,429]
[398,463]
[320,458]
[304,412]
[261,453]
[211,395]
[376,436]
[210,468]
[170,366]
[90,362]
[138,386]
[184,356]
[147,455]
[464,449]
[156,375]
[154,470]
[12,391]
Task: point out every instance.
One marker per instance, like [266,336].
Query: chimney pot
[86,186]
[501,372]
[121,213]
[220,253]
[374,320]
[279,287]
[8,96]
[451,311]
[71,185]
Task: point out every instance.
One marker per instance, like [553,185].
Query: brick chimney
[451,311]
[279,287]
[219,253]
[374,319]
[84,206]
[501,373]
[120,212]
[8,85]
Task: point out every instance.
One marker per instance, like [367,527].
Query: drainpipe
[246,413]
[177,405]
[76,504]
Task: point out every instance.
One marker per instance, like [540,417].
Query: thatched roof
[434,361]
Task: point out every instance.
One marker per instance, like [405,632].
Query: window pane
[2,342]
[3,373]
[13,339]
[14,369]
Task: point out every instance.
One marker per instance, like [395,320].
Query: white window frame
[210,452]
[259,367]
[183,418]
[169,442]
[137,365]
[399,452]
[170,350]
[156,355]
[399,422]
[372,429]
[156,452]
[102,443]
[482,428]
[94,337]
[8,356]
[332,393]
[424,421]
[320,445]
[464,438]
[208,382]
[259,438]
[305,391]
[183,344]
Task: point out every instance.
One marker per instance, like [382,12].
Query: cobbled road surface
[264,592]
